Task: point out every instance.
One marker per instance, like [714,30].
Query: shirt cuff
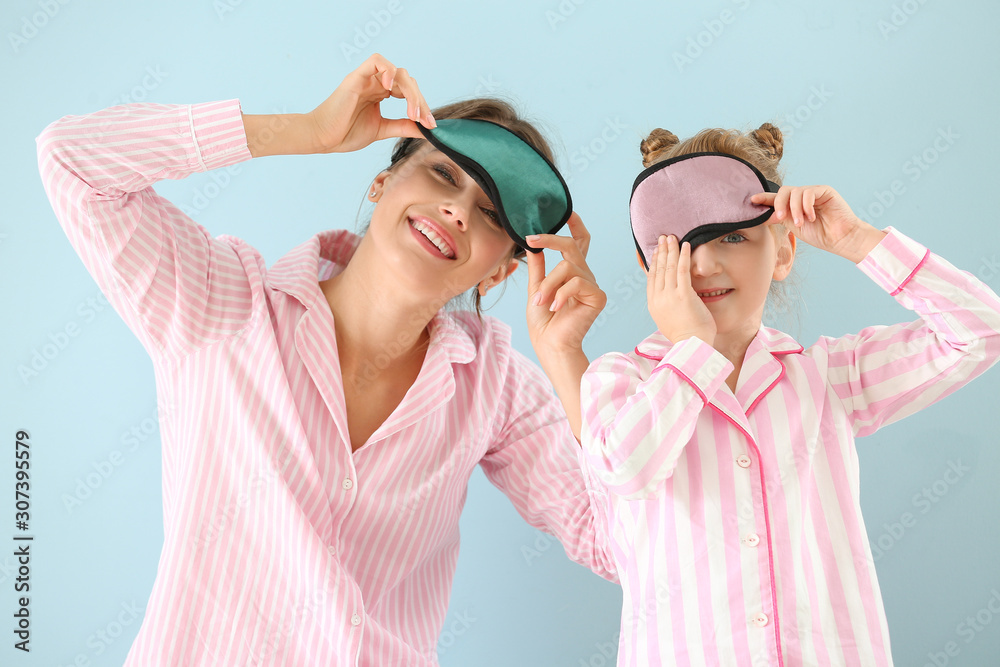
[219,137]
[894,261]
[700,364]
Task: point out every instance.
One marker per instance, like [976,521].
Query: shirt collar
[776,342]
[300,271]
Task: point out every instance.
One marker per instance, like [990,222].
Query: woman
[326,413]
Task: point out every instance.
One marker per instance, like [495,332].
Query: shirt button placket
[356,620]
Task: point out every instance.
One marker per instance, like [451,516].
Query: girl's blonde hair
[762,148]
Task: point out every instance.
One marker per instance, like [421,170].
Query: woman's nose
[456,213]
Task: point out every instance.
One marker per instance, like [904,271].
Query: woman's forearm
[565,370]
[280,134]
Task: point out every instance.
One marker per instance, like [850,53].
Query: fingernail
[430,118]
[537,300]
[532,238]
[552,308]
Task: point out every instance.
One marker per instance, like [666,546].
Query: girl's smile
[714,295]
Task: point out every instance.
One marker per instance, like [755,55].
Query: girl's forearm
[864,242]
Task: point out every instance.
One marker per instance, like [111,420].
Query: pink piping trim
[767,529]
[646,356]
[689,380]
[923,261]
[769,388]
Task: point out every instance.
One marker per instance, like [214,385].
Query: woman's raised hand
[821,218]
[674,305]
[349,119]
[562,305]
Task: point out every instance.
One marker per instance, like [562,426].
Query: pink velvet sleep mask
[696,197]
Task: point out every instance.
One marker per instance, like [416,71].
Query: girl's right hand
[676,308]
[350,118]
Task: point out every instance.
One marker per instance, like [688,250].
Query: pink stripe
[804,474]
[730,504]
[770,558]
[669,520]
[850,513]
[697,515]
[832,585]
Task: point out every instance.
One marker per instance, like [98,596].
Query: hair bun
[770,139]
[658,141]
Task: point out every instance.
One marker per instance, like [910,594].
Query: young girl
[327,413]
[722,450]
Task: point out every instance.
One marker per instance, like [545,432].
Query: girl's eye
[734,237]
[445,173]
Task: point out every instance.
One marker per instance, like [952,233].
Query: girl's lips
[714,295]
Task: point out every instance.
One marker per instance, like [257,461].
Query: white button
[743,461]
[355,620]
[760,620]
[752,540]
[348,484]
[332,549]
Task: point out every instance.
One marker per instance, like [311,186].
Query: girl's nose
[704,260]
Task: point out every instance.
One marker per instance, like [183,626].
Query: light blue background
[857,100]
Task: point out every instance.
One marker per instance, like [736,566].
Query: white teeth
[715,293]
[433,238]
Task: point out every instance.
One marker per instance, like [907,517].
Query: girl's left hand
[562,305]
[821,218]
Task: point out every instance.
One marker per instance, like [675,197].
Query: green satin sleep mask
[529,193]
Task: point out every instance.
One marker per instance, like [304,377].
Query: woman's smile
[433,237]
